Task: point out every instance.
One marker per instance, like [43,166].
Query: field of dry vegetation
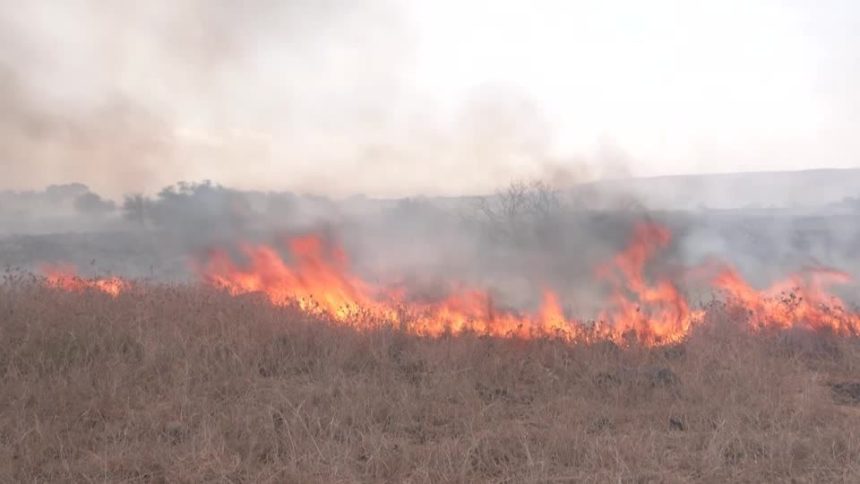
[186,384]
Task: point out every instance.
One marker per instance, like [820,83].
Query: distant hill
[782,189]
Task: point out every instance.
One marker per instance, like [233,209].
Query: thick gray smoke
[516,242]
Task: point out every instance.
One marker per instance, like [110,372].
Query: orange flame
[65,277]
[655,313]
[799,301]
[318,281]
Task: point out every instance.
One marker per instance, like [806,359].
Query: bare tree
[521,211]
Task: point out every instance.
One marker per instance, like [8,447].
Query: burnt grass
[187,384]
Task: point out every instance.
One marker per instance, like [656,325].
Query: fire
[319,282]
[473,310]
[800,301]
[317,279]
[654,312]
[650,311]
[65,277]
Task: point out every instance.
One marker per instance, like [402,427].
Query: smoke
[310,96]
[341,97]
[321,97]
[112,145]
[136,97]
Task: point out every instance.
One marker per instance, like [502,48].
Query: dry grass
[173,384]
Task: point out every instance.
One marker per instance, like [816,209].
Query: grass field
[187,384]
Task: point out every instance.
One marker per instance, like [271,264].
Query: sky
[397,98]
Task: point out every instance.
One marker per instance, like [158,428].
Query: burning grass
[319,283]
[189,384]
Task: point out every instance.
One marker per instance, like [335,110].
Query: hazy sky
[395,98]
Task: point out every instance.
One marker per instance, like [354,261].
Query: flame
[654,312]
[473,310]
[799,301]
[65,277]
[651,310]
[319,281]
